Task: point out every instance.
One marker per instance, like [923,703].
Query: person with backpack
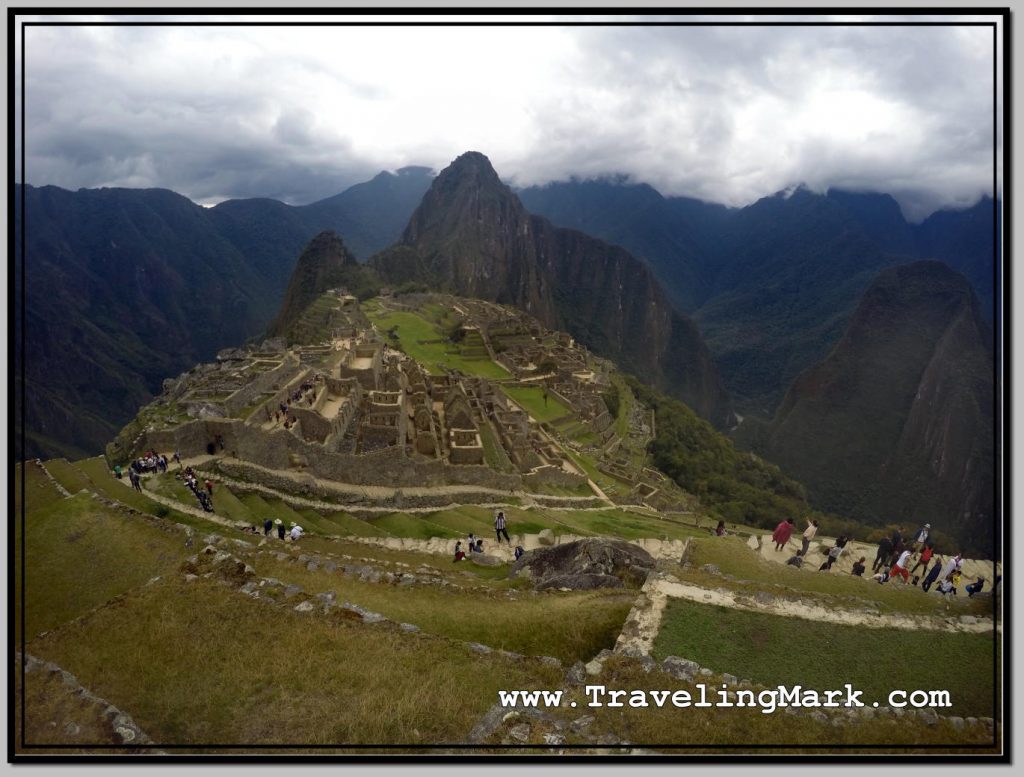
[926,556]
[833,557]
[268,526]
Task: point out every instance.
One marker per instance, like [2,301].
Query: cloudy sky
[727,114]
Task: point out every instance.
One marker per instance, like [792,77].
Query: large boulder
[546,537]
[586,564]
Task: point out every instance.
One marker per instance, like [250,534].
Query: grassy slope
[566,625]
[236,670]
[80,553]
[772,649]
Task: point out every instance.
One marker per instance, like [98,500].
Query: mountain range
[721,307]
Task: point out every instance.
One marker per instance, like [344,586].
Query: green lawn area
[494,454]
[567,625]
[67,474]
[39,491]
[413,328]
[238,671]
[407,525]
[531,398]
[618,523]
[80,553]
[773,650]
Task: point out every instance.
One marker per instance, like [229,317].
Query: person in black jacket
[884,551]
[280,529]
[933,575]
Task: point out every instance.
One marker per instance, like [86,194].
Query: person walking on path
[499,527]
[926,556]
[900,567]
[268,526]
[280,528]
[882,557]
[932,575]
[809,532]
[975,587]
[782,533]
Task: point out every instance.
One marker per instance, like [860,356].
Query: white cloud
[727,114]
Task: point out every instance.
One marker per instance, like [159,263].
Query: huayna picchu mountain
[324,263]
[897,423]
[472,236]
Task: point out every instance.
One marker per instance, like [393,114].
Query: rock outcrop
[586,564]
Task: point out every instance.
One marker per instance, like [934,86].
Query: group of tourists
[270,524]
[150,462]
[204,493]
[897,558]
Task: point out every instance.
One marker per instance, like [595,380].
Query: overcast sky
[726,114]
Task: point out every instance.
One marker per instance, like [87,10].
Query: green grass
[531,398]
[405,525]
[240,671]
[569,626]
[80,553]
[348,525]
[629,526]
[773,649]
[68,475]
[412,329]
[494,455]
[39,489]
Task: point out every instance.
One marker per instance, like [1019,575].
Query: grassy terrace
[80,553]
[776,650]
[236,670]
[424,341]
[531,398]
[569,626]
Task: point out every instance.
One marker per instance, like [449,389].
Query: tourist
[796,561]
[858,568]
[117,471]
[209,487]
[947,568]
[922,535]
[833,557]
[955,579]
[280,529]
[900,567]
[268,526]
[499,527]
[296,532]
[177,458]
[926,556]
[479,547]
[932,575]
[946,587]
[975,587]
[881,577]
[470,541]
[782,533]
[808,535]
[459,552]
[719,531]
[519,552]
[882,557]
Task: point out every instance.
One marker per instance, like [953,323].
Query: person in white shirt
[900,567]
[809,532]
[296,532]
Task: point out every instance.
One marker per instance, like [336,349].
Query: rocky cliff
[471,236]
